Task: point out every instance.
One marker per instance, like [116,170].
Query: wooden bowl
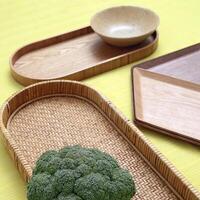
[124,25]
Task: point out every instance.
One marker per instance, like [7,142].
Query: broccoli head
[76,173]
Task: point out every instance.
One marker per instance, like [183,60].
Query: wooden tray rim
[188,84]
[140,141]
[86,72]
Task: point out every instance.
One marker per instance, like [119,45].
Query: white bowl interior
[124,22]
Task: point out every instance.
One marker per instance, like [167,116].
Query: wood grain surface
[167,94]
[23,22]
[75,55]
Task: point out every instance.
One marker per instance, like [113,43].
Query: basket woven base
[53,114]
[54,122]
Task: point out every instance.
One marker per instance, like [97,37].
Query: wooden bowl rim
[157,22]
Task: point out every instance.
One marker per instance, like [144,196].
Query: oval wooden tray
[53,114]
[75,56]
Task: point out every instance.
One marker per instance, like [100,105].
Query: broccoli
[77,173]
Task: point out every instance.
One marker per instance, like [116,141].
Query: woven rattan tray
[53,114]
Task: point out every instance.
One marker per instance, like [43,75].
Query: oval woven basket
[50,115]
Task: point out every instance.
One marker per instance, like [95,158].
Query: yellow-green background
[25,21]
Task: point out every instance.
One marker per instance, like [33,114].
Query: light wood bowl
[124,25]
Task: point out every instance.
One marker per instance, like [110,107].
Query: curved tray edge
[166,171]
[99,68]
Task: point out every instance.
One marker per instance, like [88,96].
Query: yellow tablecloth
[25,21]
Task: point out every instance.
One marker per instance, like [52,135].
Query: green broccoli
[76,173]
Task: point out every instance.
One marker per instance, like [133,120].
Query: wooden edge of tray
[160,165]
[186,84]
[156,61]
[96,69]
[169,56]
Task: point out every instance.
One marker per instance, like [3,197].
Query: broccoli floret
[68,197]
[49,162]
[76,173]
[65,181]
[91,187]
[41,186]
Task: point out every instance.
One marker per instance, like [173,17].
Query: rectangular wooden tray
[50,115]
[166,94]
[75,55]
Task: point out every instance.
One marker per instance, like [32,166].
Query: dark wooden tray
[75,56]
[166,94]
